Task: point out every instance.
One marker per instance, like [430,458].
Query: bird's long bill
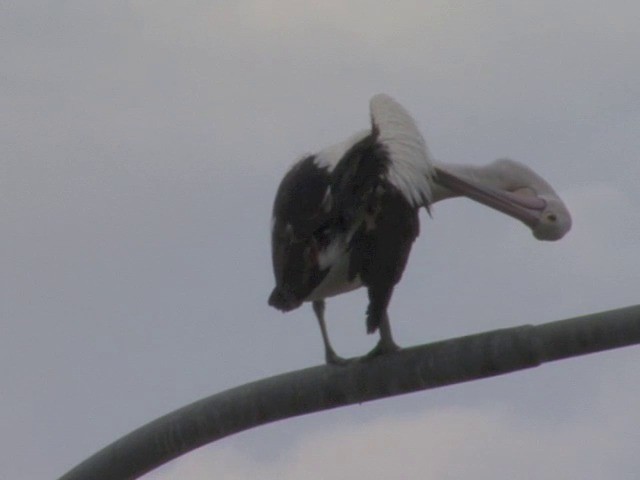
[526,208]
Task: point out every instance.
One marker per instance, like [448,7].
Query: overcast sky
[141,144]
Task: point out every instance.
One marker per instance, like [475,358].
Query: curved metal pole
[324,387]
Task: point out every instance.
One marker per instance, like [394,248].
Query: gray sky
[141,144]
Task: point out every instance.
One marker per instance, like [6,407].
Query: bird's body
[347,217]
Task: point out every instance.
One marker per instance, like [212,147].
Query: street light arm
[324,387]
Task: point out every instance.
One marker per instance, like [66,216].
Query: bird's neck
[467,172]
[497,175]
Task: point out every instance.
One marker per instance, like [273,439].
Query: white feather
[411,167]
[330,156]
[337,280]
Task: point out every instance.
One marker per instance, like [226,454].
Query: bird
[347,216]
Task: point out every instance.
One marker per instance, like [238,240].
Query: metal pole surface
[324,387]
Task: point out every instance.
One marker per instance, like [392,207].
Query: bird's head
[534,200]
[543,212]
[513,189]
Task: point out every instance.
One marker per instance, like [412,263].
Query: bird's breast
[336,281]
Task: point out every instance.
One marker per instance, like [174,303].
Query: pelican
[347,216]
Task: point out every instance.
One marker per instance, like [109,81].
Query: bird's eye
[552,217]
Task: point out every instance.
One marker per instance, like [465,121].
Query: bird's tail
[283,300]
[411,167]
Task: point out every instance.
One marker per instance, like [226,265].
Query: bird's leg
[329,354]
[386,344]
[377,317]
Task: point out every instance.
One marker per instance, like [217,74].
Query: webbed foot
[333,359]
[382,348]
